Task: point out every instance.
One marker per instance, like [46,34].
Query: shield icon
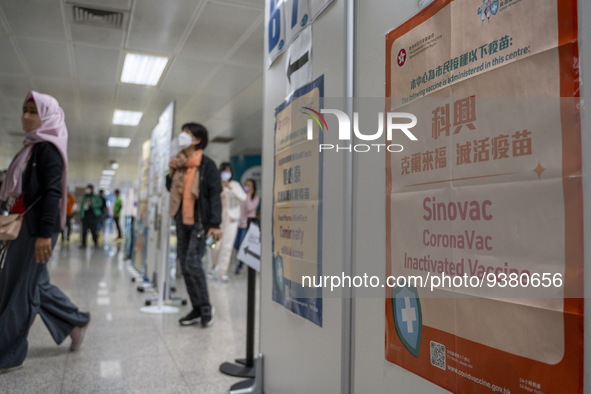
[408,318]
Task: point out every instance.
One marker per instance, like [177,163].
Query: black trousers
[90,222]
[25,291]
[116,220]
[190,251]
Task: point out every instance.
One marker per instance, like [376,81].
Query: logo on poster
[345,129]
[401,58]
[408,318]
[487,9]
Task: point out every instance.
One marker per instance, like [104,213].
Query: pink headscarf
[53,129]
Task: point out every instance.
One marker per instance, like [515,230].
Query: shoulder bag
[10,225]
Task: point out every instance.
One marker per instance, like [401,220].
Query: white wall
[301,357]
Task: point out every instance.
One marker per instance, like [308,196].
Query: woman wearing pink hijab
[36,179]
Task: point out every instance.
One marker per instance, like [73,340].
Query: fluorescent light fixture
[116,142]
[127,118]
[109,172]
[143,69]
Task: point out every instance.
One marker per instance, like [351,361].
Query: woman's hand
[42,250]
[216,232]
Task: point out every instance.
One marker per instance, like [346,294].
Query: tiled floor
[125,350]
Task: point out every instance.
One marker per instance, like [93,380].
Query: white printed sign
[250,248]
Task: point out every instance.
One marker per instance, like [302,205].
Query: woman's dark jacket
[209,203]
[43,177]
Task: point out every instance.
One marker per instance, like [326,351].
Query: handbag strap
[31,206]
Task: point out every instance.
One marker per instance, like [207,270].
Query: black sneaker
[207,315]
[192,318]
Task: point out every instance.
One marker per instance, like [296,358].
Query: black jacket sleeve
[43,180]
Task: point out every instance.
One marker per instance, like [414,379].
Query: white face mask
[88,191]
[226,176]
[246,188]
[184,140]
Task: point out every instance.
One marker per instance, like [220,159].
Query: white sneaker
[225,279]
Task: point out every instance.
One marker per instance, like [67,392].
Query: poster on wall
[159,221]
[486,207]
[297,204]
[141,230]
[285,20]
[298,66]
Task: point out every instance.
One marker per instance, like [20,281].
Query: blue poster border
[306,302]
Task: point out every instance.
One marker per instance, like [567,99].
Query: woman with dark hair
[248,209]
[232,197]
[36,181]
[194,185]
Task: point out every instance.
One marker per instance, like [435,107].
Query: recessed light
[116,142]
[143,69]
[127,118]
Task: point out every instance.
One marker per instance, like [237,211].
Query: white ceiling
[215,75]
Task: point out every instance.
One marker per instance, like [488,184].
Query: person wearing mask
[194,185]
[91,209]
[36,183]
[248,209]
[117,212]
[232,196]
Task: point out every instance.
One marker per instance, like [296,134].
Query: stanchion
[248,369]
[251,386]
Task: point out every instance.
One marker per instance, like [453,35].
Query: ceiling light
[109,172]
[127,118]
[143,69]
[117,142]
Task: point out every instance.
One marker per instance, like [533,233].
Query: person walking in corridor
[91,209]
[117,212]
[36,183]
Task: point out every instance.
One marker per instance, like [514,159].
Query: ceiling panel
[217,30]
[35,18]
[9,61]
[231,80]
[159,25]
[201,109]
[99,94]
[249,53]
[60,88]
[46,58]
[96,118]
[96,64]
[15,87]
[112,38]
[134,97]
[248,101]
[187,75]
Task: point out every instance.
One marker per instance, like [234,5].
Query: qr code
[438,355]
